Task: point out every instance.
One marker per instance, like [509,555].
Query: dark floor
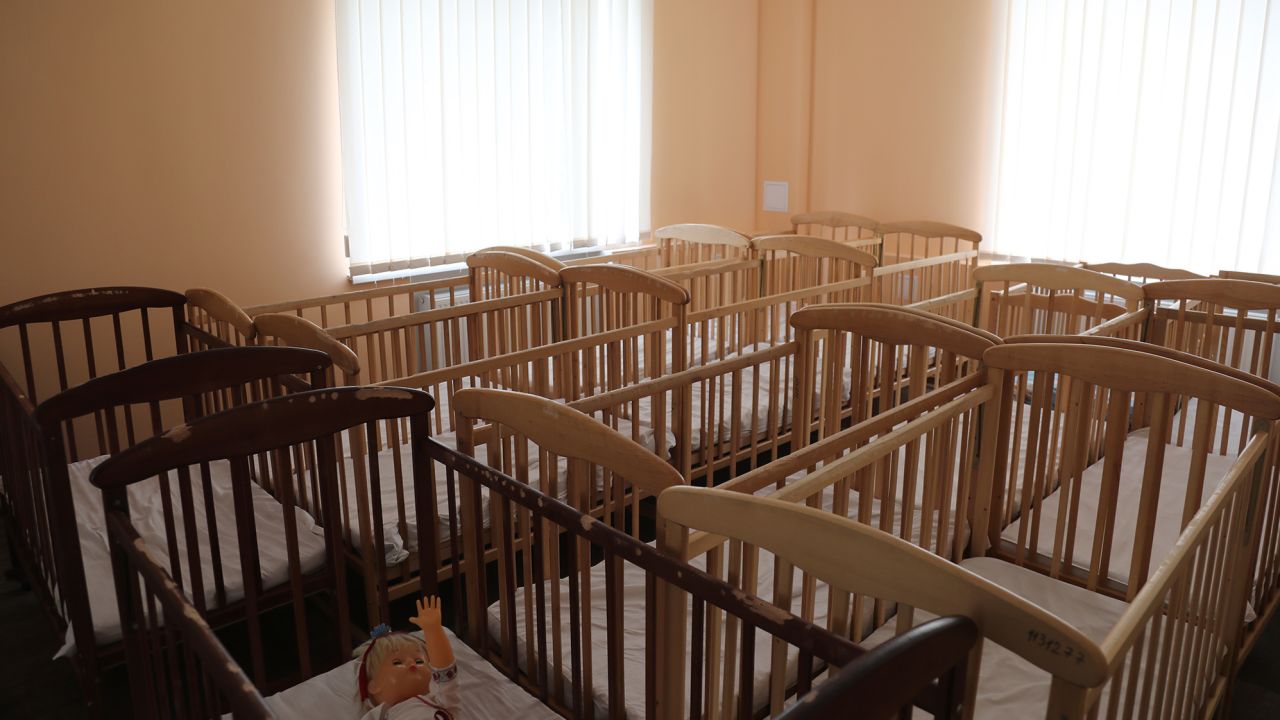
[33,685]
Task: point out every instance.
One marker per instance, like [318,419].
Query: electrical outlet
[775,196]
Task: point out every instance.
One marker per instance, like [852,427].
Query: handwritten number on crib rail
[1039,639]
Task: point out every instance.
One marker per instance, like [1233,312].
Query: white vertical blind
[1141,130]
[474,123]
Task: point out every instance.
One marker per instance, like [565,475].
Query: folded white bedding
[147,515]
[486,693]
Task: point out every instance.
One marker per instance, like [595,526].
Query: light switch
[775,196]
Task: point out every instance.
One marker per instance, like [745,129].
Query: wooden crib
[1174,569]
[928,265]
[1046,299]
[289,440]
[60,340]
[855,230]
[128,407]
[539,628]
[1232,322]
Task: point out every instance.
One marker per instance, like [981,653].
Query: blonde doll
[402,677]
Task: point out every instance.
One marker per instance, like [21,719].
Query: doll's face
[402,674]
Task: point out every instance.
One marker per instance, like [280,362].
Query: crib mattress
[486,693]
[147,516]
[1008,686]
[1168,527]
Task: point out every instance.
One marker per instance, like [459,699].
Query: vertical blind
[1141,130]
[469,123]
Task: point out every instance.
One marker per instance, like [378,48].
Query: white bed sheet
[1008,686]
[1168,526]
[486,693]
[147,515]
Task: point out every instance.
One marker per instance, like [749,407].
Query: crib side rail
[417,342]
[1043,298]
[715,417]
[177,666]
[717,331]
[928,265]
[1176,646]
[1141,273]
[371,303]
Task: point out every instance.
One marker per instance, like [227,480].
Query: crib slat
[1145,526]
[747,672]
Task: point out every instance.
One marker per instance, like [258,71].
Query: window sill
[438,272]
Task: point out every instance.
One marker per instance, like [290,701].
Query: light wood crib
[1046,299]
[1230,321]
[582,625]
[1185,613]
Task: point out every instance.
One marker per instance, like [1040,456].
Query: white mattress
[1236,423]
[486,693]
[1008,686]
[147,516]
[1173,487]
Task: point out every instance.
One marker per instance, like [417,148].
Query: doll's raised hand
[439,650]
[428,616]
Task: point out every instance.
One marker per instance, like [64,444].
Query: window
[474,123]
[1141,131]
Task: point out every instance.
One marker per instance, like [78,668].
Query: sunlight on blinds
[468,124]
[1141,131]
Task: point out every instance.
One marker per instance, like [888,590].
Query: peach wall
[880,108]
[704,112]
[170,144]
[180,144]
[903,109]
[786,64]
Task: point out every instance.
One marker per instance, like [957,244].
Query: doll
[401,677]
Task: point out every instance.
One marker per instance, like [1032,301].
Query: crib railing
[177,666]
